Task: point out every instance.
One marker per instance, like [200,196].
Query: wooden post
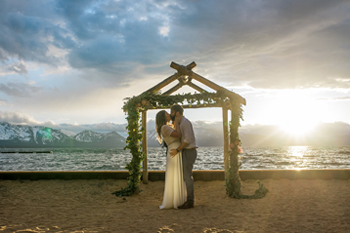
[226,138]
[144,147]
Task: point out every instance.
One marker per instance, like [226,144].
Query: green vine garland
[133,106]
[233,180]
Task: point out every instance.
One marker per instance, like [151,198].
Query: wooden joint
[184,71]
[228,104]
[184,79]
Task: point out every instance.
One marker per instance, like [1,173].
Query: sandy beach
[89,206]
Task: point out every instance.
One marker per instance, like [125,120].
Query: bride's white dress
[174,187]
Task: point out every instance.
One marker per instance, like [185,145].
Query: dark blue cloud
[27,37]
[269,44]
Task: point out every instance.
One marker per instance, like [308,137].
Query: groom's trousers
[188,158]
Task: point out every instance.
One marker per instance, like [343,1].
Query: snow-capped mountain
[207,134]
[31,134]
[67,132]
[38,136]
[89,136]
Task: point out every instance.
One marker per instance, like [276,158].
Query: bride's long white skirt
[174,188]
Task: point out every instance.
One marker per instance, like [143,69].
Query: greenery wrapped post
[133,144]
[233,180]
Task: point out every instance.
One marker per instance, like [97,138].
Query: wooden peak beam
[187,71]
[183,70]
[184,75]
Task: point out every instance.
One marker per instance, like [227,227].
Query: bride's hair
[160,121]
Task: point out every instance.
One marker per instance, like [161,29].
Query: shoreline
[203,175]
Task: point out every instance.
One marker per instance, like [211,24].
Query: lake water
[209,158]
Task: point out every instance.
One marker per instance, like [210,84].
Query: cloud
[263,47]
[13,68]
[341,98]
[19,89]
[336,128]
[28,33]
[108,127]
[86,56]
[18,118]
[268,44]
[3,102]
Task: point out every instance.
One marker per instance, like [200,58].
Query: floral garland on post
[134,105]
[133,144]
[233,180]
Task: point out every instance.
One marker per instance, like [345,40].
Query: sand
[89,206]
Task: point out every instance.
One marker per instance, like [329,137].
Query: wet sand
[88,206]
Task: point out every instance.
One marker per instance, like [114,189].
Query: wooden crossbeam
[171,78]
[214,105]
[180,68]
[173,89]
[163,83]
[216,87]
[197,88]
[187,71]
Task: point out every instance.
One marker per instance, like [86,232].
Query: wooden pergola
[184,76]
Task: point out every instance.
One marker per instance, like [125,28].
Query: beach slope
[88,206]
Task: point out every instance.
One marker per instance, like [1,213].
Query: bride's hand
[173,152]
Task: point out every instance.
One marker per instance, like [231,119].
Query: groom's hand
[173,152]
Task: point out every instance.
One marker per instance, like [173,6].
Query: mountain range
[41,136]
[207,134]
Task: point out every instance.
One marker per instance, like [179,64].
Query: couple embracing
[181,155]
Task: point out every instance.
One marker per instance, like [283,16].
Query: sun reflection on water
[297,151]
[296,155]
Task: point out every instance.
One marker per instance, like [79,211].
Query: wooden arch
[184,76]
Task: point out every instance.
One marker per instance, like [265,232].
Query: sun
[297,127]
[295,113]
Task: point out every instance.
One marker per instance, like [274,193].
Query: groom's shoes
[186,205]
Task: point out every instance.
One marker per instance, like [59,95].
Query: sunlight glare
[297,112]
[297,127]
[297,151]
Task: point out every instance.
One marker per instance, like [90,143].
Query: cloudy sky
[73,62]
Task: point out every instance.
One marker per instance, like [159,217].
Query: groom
[189,153]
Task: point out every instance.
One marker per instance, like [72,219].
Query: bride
[174,188]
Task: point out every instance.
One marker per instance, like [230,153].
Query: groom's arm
[174,152]
[187,136]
